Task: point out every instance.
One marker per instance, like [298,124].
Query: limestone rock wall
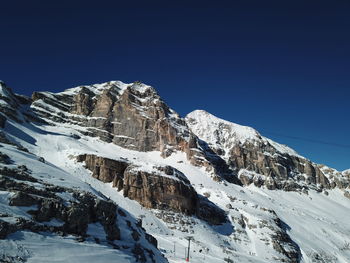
[159,192]
[104,169]
[163,188]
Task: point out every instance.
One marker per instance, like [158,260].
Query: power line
[307,139]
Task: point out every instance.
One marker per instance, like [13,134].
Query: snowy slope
[27,246]
[316,222]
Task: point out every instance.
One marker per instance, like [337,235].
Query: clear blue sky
[281,67]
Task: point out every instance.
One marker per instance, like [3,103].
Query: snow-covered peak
[282,148]
[215,131]
[346,171]
[219,133]
[141,87]
[98,88]
[115,87]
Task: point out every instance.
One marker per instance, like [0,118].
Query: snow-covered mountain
[109,173]
[259,160]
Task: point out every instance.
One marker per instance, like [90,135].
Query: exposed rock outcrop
[105,169]
[159,187]
[209,212]
[270,230]
[9,104]
[74,216]
[279,170]
[162,192]
[47,205]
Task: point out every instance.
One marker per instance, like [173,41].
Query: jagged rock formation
[10,103]
[158,187]
[105,169]
[161,192]
[256,159]
[130,115]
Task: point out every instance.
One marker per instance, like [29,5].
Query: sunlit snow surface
[316,222]
[219,133]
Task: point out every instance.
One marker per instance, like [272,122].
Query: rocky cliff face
[105,170]
[156,187]
[10,103]
[130,115]
[346,173]
[161,192]
[256,159]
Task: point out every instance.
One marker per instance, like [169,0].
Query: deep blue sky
[281,67]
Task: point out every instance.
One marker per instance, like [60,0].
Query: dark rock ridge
[11,102]
[260,161]
[9,105]
[278,170]
[75,216]
[160,188]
